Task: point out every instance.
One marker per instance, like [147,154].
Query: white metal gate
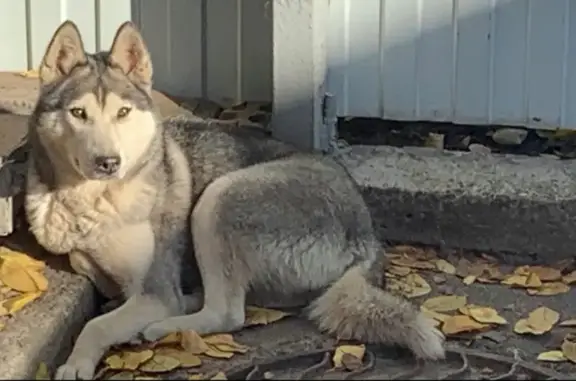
[510,62]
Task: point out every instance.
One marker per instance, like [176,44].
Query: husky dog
[145,208]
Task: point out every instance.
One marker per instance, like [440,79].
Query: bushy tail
[353,308]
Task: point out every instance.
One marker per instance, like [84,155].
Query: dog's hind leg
[224,281]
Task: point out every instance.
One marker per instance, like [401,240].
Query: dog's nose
[107,164]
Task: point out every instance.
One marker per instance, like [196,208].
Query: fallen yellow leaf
[433,314]
[171,338]
[357,351]
[569,350]
[553,356]
[469,279]
[417,286]
[193,343]
[568,323]
[461,323]
[16,303]
[486,315]
[196,376]
[445,266]
[539,321]
[24,259]
[213,352]
[29,74]
[122,376]
[400,271]
[128,360]
[545,274]
[225,343]
[187,359]
[549,288]
[17,277]
[160,364]
[219,376]
[262,316]
[412,263]
[42,372]
[445,303]
[525,281]
[569,278]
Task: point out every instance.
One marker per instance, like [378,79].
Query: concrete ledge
[45,330]
[501,203]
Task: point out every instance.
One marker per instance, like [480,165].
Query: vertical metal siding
[510,62]
[219,49]
[26,26]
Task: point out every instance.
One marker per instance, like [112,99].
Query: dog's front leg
[116,327]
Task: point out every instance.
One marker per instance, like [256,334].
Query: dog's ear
[65,51]
[129,53]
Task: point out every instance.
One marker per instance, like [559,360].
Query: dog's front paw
[77,370]
[155,331]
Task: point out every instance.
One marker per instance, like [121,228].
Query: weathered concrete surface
[45,330]
[520,205]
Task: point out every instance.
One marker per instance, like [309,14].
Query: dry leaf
[24,259]
[417,286]
[468,280]
[539,321]
[219,376]
[405,261]
[133,359]
[445,266]
[550,288]
[171,338]
[461,323]
[486,315]
[42,372]
[2,325]
[29,74]
[16,303]
[569,278]
[17,277]
[145,378]
[554,356]
[213,352]
[569,350]
[357,351]
[187,359]
[525,281]
[262,316]
[433,314]
[160,364]
[196,376]
[224,342]
[193,343]
[351,362]
[445,303]
[400,271]
[545,274]
[568,323]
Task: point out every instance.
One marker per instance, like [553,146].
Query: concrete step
[521,206]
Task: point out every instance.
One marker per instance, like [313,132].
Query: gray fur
[248,218]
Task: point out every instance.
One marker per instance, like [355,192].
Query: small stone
[509,136]
[479,149]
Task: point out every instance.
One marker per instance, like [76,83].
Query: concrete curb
[45,330]
[501,203]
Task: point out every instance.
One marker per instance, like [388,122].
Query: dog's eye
[79,112]
[123,112]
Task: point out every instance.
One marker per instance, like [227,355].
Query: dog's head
[95,111]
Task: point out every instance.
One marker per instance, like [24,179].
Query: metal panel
[219,49]
[510,62]
[26,26]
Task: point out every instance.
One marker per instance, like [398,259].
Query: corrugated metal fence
[220,49]
[510,62]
